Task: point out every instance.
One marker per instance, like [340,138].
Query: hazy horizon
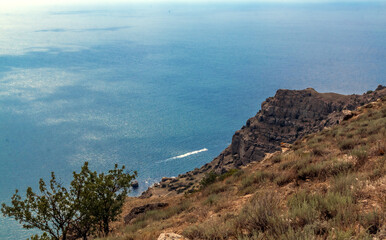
[37,3]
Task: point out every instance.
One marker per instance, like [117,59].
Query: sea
[161,88]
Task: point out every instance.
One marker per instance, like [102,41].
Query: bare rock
[147,194]
[286,117]
[380,87]
[134,184]
[165,179]
[171,236]
[347,114]
[135,212]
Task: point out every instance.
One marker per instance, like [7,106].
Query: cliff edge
[284,118]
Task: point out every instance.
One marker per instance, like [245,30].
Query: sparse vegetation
[231,172]
[276,158]
[373,221]
[284,178]
[347,144]
[209,179]
[326,187]
[212,177]
[361,155]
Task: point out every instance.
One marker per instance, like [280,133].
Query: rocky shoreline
[284,118]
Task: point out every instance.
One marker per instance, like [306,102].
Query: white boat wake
[183,155]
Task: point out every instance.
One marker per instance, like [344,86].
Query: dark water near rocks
[162,88]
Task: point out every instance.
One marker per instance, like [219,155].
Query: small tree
[84,222]
[108,193]
[92,201]
[51,211]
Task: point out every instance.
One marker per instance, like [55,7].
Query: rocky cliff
[284,118]
[289,115]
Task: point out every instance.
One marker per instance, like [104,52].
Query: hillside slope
[326,185]
[284,118]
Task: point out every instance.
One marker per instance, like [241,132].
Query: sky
[63,2]
[22,5]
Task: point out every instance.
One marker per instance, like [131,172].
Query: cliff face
[284,118]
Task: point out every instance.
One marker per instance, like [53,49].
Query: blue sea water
[161,88]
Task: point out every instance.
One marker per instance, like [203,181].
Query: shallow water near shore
[162,88]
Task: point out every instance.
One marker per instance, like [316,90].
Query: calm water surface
[138,85]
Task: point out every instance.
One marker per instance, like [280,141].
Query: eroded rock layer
[284,118]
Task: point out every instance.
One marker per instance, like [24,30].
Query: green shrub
[209,179]
[284,179]
[375,126]
[215,188]
[262,215]
[380,148]
[261,176]
[247,181]
[286,165]
[373,221]
[376,174]
[350,135]
[344,185]
[318,151]
[237,175]
[340,167]
[296,145]
[162,214]
[347,144]
[247,190]
[314,170]
[361,155]
[379,169]
[276,159]
[212,200]
[256,178]
[305,208]
[305,160]
[211,230]
[323,170]
[231,172]
[361,132]
[135,226]
[342,234]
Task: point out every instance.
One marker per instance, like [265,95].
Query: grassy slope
[329,185]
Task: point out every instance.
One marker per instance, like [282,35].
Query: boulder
[171,236]
[347,114]
[134,184]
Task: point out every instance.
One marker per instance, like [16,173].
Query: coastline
[344,160]
[327,109]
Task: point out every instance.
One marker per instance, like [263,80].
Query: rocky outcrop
[170,236]
[135,212]
[284,118]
